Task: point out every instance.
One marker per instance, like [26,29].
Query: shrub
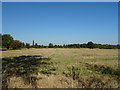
[15,44]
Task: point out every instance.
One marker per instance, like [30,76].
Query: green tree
[6,40]
[15,44]
[83,45]
[50,45]
[33,43]
[36,45]
[23,44]
[0,36]
[90,45]
[27,45]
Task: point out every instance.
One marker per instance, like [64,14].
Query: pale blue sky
[62,23]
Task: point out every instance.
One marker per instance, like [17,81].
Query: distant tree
[36,45]
[90,45]
[55,46]
[83,45]
[33,43]
[50,45]
[16,44]
[118,46]
[60,46]
[6,40]
[45,46]
[0,36]
[42,46]
[23,44]
[27,45]
[64,46]
[39,46]
[76,45]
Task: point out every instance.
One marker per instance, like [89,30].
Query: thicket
[8,42]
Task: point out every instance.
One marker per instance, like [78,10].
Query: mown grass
[63,68]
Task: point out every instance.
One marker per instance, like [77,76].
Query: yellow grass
[64,58]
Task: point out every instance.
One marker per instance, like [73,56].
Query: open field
[60,68]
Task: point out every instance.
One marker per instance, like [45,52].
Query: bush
[90,45]
[15,44]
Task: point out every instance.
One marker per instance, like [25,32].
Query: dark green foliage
[0,36]
[27,45]
[72,46]
[15,44]
[103,69]
[118,46]
[90,45]
[50,45]
[55,46]
[6,40]
[36,45]
[23,44]
[33,43]
[83,45]
[93,80]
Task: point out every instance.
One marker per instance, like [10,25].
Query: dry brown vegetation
[60,68]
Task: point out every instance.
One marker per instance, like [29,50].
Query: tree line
[8,42]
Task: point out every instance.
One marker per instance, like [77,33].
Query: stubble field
[60,68]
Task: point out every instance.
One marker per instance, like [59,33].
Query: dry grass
[84,60]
